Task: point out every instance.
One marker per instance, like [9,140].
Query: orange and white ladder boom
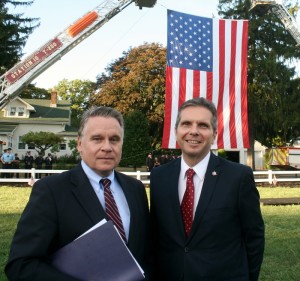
[14,80]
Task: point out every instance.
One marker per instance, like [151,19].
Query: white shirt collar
[93,177]
[200,168]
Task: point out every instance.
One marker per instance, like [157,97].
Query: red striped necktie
[112,209]
[187,204]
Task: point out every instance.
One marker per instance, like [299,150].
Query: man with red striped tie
[207,222]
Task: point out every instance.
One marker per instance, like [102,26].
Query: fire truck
[284,158]
[17,78]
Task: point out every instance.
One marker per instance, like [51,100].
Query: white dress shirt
[117,192]
[200,170]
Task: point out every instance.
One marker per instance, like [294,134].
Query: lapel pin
[214,173]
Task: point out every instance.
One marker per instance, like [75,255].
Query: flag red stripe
[232,90]
[209,85]
[244,88]
[168,108]
[196,84]
[182,87]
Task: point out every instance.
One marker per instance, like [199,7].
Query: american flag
[207,57]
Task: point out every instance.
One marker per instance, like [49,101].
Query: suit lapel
[130,198]
[85,194]
[209,184]
[171,183]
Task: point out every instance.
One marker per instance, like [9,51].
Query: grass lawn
[282,253]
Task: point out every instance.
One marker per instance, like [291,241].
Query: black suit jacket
[62,207]
[227,237]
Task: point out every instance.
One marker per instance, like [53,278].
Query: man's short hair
[199,102]
[100,111]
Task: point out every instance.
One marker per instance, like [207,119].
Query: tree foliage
[42,140]
[73,146]
[78,92]
[33,92]
[272,88]
[136,81]
[14,32]
[136,139]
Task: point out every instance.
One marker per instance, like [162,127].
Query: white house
[21,116]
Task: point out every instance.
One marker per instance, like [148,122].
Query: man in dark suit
[222,238]
[63,206]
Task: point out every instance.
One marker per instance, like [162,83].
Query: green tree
[14,32]
[33,92]
[78,92]
[42,140]
[73,146]
[136,139]
[136,81]
[271,77]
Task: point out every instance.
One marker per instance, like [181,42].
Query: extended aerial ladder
[14,80]
[282,13]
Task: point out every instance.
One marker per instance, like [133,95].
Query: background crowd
[153,160]
[9,160]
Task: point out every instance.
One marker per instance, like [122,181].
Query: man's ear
[78,143]
[215,137]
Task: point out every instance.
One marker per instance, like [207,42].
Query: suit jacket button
[186,249]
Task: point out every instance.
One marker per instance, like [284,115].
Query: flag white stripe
[238,89]
[175,100]
[226,94]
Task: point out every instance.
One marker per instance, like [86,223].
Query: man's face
[100,144]
[195,134]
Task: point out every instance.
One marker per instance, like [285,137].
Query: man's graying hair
[200,102]
[102,111]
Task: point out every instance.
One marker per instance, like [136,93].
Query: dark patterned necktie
[187,204]
[112,209]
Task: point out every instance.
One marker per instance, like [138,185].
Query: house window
[21,111]
[9,141]
[12,111]
[31,146]
[21,144]
[62,146]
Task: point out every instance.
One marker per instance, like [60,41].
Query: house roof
[43,111]
[7,128]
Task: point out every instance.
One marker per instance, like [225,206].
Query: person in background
[28,160]
[7,159]
[156,162]
[205,210]
[39,160]
[149,162]
[164,159]
[63,206]
[48,162]
[2,164]
[16,164]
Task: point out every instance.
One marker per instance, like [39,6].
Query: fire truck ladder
[283,14]
[14,80]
